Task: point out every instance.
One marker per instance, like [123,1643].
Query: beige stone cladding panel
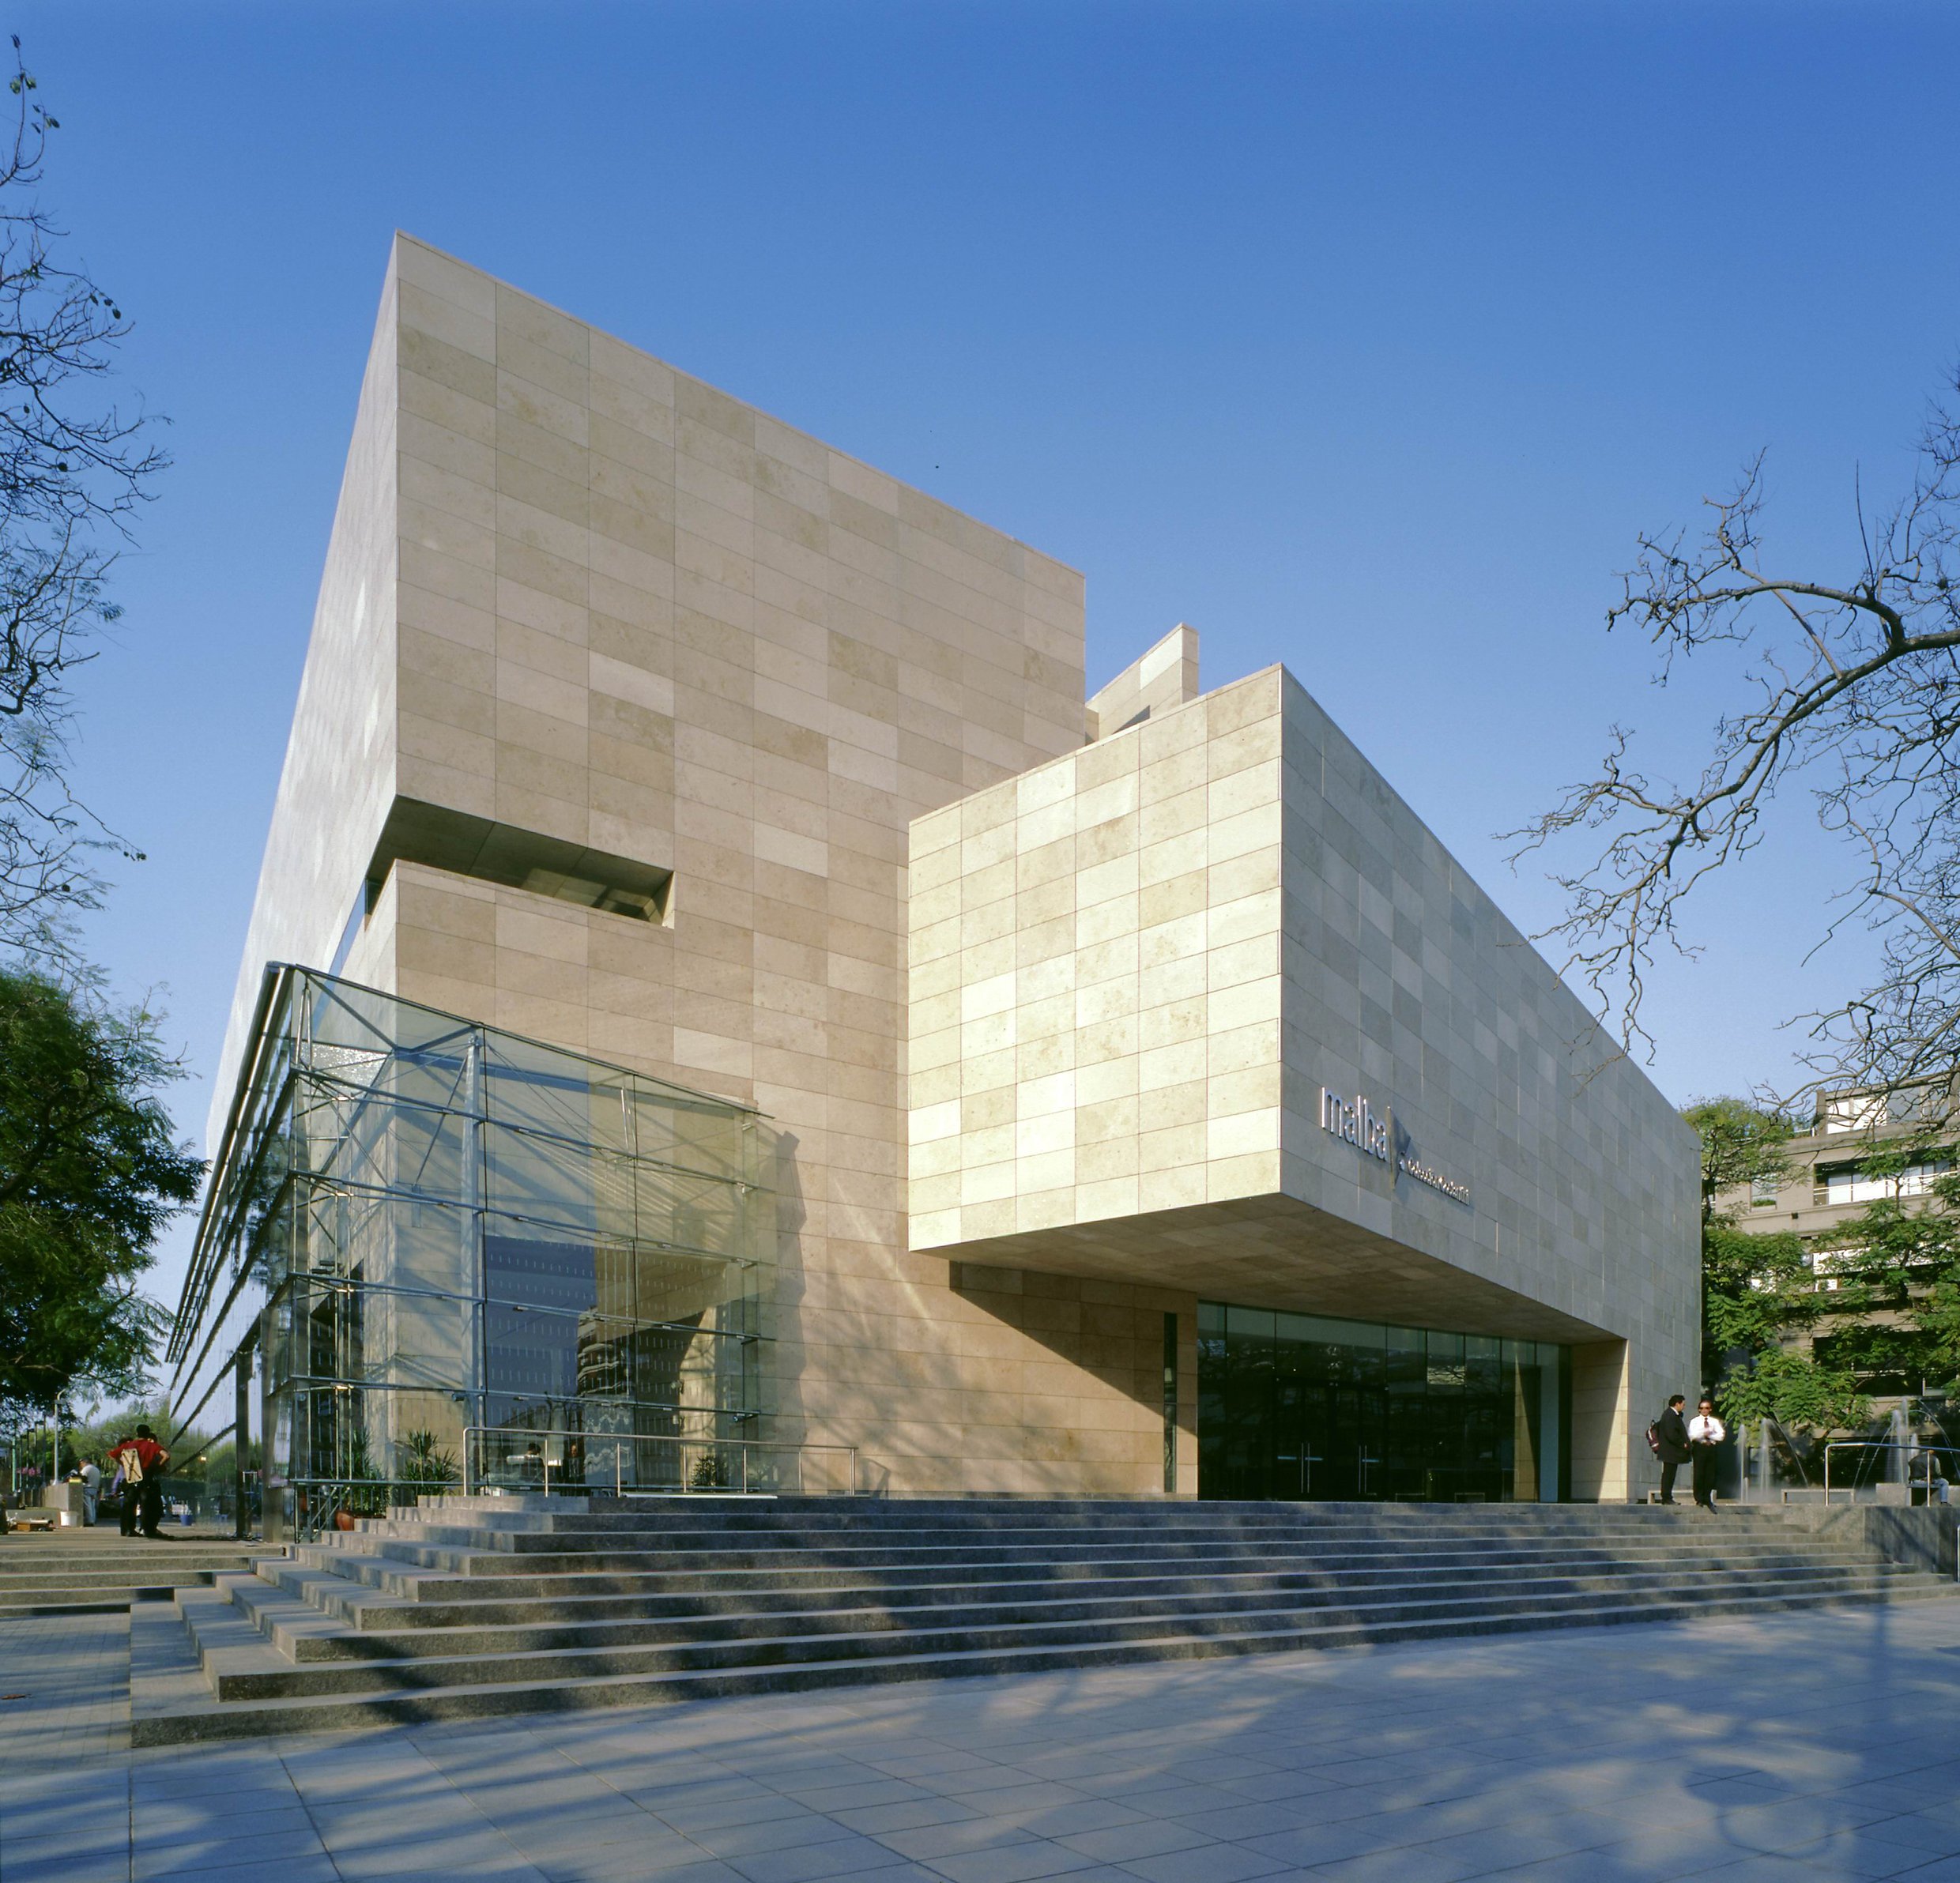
[1095,992]
[338,777]
[1405,984]
[1134,972]
[1162,676]
[639,615]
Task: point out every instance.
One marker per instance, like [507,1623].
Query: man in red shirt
[142,1459]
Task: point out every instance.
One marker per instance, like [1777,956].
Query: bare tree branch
[73,469]
[1851,688]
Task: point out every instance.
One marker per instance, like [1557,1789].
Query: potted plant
[421,1462]
[362,1491]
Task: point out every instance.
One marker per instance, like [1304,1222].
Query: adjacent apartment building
[1862,1147]
[720,987]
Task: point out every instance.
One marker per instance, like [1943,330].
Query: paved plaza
[1797,1747]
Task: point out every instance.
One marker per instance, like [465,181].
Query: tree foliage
[73,467]
[90,1173]
[1758,1291]
[1797,1391]
[1740,1143]
[1897,1265]
[1849,687]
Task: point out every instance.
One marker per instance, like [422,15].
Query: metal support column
[241,1425]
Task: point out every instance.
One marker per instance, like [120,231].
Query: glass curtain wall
[476,1248]
[1300,1406]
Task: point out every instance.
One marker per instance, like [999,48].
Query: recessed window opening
[441,838]
[1849,1183]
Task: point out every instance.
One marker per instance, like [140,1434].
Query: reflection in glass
[459,1228]
[1301,1406]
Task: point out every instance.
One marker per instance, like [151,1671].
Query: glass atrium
[1299,1406]
[480,1254]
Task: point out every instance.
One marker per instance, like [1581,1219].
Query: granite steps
[423,1616]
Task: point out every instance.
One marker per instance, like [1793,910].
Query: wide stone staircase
[469,1607]
[83,1571]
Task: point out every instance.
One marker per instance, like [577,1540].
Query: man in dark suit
[1671,1440]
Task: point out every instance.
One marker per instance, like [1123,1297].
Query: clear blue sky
[1362,336]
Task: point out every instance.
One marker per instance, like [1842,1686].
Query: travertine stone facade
[575,591]
[1137,970]
[339,778]
[1161,677]
[1095,980]
[580,599]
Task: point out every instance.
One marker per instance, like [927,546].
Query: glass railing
[519,1459]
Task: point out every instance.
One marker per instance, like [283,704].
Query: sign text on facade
[1355,1121]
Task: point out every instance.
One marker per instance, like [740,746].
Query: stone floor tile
[874,1820]
[1926,1835]
[930,1844]
[804,1828]
[1080,1815]
[1312,1846]
[253,1814]
[698,1816]
[1000,1801]
[1280,1786]
[1942,1869]
[192,1856]
[1860,1858]
[935,1762]
[1402,1865]
[1013,1863]
[1147,1837]
[1816,1747]
[1762,1868]
[289,1869]
[1207,1863]
[82,1834]
[816,1862]
[65,1866]
[1246,1819]
[184,1776]
[865,1790]
[480,1859]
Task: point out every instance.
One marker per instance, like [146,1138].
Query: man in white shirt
[1706,1433]
[91,1488]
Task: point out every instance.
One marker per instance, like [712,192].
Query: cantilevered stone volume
[733,991]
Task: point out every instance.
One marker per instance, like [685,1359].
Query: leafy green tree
[1897,1266]
[1758,1291]
[90,1173]
[1740,1143]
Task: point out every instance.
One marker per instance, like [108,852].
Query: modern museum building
[724,1006]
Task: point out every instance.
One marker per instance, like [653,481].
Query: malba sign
[1355,1121]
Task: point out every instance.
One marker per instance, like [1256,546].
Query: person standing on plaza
[123,1485]
[91,1489]
[1706,1433]
[142,1459]
[1671,1444]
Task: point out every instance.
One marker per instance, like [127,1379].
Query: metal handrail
[324,1496]
[1929,1452]
[620,1440]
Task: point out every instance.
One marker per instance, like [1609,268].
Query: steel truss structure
[455,1229]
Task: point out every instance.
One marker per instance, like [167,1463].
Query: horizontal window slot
[441,838]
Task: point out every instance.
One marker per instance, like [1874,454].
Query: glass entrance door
[1302,1406]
